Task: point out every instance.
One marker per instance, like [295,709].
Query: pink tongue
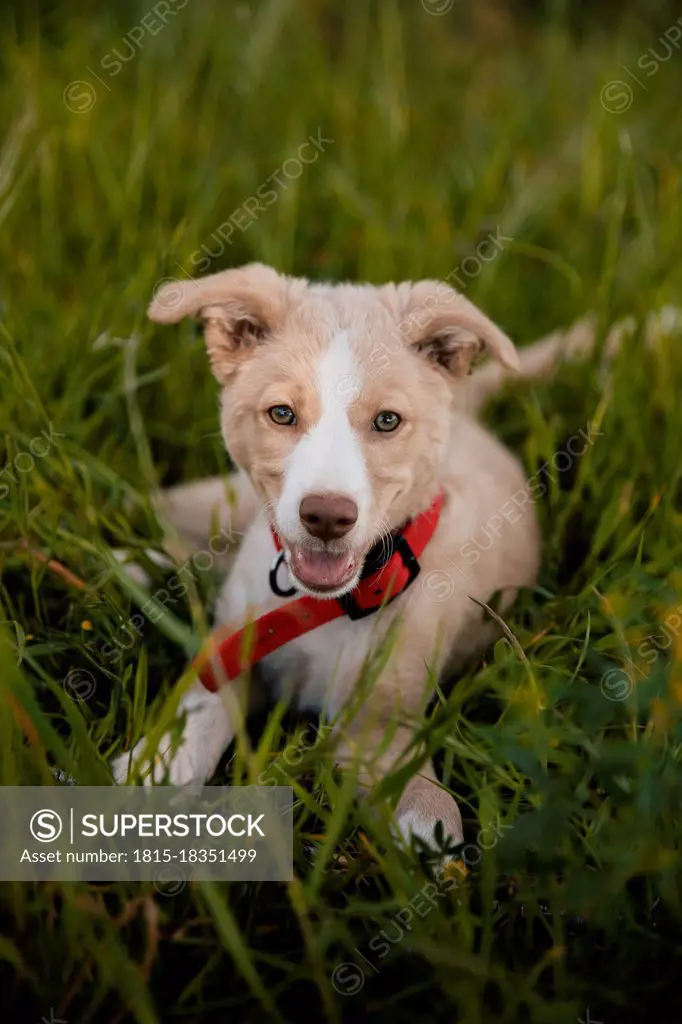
[321,569]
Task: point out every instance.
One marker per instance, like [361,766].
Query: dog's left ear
[450,331]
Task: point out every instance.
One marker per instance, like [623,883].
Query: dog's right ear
[239,308]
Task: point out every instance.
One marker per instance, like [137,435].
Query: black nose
[328,516]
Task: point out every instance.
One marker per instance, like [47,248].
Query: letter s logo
[45,826]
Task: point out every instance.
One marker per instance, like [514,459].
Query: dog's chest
[317,669]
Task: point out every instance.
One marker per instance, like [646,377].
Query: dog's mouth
[324,572]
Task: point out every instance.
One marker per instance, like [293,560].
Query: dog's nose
[328,516]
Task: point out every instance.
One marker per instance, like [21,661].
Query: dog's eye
[386,421]
[282,415]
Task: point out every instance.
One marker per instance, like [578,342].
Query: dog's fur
[338,355]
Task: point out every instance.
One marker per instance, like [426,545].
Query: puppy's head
[337,401]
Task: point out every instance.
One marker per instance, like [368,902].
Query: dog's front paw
[190,759]
[176,765]
[421,807]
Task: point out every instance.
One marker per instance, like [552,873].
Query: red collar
[229,654]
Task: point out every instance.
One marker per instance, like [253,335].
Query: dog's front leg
[423,802]
[210,726]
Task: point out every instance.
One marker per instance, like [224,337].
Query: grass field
[129,152]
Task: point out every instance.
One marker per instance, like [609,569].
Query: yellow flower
[455,865]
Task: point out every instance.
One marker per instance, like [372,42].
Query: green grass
[444,128]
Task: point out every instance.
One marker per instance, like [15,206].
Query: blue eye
[386,421]
[282,415]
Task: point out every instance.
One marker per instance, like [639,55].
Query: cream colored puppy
[349,409]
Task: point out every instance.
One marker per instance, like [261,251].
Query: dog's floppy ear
[239,308]
[450,331]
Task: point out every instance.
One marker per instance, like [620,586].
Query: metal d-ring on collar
[279,559]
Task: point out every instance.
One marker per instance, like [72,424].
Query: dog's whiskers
[382,527]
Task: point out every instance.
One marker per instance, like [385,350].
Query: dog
[350,412]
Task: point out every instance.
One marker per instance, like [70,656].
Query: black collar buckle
[355,611]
